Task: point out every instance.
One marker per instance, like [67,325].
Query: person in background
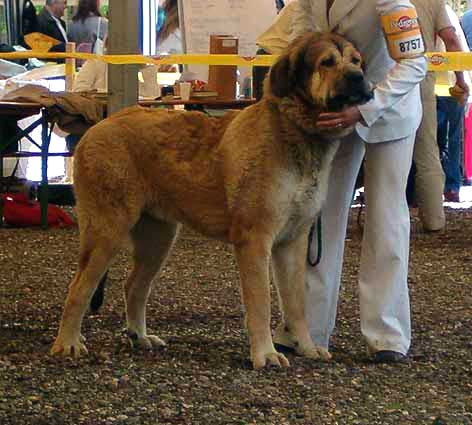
[450,114]
[50,20]
[272,42]
[169,36]
[466,25]
[92,76]
[429,178]
[385,134]
[88,28]
[29,21]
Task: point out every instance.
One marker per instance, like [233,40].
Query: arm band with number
[403,34]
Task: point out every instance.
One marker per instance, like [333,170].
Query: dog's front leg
[289,263]
[253,259]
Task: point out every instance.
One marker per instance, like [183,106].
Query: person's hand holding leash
[347,118]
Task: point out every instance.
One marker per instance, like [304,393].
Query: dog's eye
[328,62]
[356,61]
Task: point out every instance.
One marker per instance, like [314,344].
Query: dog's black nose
[354,77]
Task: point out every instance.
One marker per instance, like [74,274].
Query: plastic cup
[185,89]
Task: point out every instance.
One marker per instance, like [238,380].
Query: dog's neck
[303,116]
[300,112]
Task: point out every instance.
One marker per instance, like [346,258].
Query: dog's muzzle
[354,90]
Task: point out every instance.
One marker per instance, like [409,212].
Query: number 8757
[406,46]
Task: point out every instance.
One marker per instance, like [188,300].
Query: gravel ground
[203,376]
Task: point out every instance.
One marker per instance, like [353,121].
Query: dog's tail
[99,295]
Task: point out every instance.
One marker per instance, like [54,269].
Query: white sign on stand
[244,19]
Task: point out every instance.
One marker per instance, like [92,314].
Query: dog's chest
[308,186]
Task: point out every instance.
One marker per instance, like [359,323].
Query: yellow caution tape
[234,60]
[450,61]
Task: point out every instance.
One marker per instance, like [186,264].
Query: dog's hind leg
[69,340]
[253,260]
[288,265]
[98,246]
[152,240]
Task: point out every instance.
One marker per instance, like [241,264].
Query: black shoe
[388,356]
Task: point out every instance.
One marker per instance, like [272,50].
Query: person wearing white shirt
[385,134]
[92,76]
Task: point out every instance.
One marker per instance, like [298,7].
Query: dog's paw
[69,348]
[314,352]
[302,346]
[269,359]
[147,342]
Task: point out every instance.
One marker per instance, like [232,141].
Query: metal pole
[44,187]
[123,38]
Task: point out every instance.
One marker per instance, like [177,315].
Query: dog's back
[143,159]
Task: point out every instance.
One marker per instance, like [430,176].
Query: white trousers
[383,290]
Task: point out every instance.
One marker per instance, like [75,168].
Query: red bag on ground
[19,211]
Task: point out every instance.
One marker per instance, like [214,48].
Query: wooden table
[19,110]
[10,114]
[208,102]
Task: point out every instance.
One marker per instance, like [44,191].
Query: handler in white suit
[385,134]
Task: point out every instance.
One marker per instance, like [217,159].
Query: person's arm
[302,19]
[451,41]
[400,80]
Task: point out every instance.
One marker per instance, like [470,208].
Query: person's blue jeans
[450,133]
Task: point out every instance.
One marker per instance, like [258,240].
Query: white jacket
[92,76]
[395,112]
[275,39]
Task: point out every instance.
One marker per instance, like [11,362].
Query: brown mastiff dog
[256,179]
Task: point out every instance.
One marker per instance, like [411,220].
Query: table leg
[44,190]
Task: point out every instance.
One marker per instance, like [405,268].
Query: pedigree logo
[405,23]
[437,60]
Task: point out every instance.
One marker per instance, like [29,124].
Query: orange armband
[403,34]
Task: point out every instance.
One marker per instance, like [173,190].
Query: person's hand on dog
[347,118]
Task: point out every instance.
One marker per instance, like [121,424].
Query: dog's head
[323,70]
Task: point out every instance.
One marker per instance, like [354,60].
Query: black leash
[310,237]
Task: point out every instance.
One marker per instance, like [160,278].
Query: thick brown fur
[256,179]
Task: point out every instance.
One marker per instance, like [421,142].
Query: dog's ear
[301,69]
[280,77]
[292,69]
